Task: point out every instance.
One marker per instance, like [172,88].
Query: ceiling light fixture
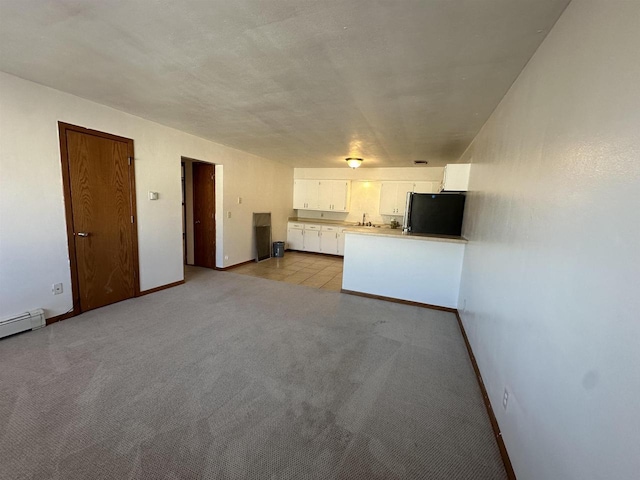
[354,162]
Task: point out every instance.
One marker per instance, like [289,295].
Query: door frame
[193,206]
[63,128]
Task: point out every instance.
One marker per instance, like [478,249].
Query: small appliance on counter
[434,213]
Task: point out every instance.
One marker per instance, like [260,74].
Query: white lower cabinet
[311,239]
[295,238]
[340,243]
[329,239]
[315,238]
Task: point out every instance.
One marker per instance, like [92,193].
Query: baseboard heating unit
[27,321]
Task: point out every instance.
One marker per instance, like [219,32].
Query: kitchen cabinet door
[329,240]
[388,192]
[425,187]
[295,239]
[305,194]
[313,195]
[340,243]
[325,195]
[341,196]
[393,196]
[312,240]
[333,195]
[300,194]
[456,177]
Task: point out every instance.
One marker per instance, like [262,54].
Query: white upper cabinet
[426,187]
[306,194]
[324,195]
[335,195]
[456,177]
[299,194]
[393,197]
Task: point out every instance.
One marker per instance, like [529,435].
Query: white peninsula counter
[413,267]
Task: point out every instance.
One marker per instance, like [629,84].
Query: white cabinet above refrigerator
[456,177]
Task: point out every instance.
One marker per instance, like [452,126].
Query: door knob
[197,221]
[83,234]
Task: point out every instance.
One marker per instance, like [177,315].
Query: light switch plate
[153,195]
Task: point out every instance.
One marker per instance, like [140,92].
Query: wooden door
[204,230]
[99,185]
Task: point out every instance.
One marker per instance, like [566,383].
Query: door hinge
[129,160]
[131,218]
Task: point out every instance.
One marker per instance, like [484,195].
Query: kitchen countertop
[324,221]
[380,231]
[398,233]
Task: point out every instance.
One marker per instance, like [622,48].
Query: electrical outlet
[56,288]
[226,257]
[505,398]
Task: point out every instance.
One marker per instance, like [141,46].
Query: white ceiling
[305,82]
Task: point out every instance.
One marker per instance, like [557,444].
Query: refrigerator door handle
[407,208]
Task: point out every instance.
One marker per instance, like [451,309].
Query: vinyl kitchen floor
[311,270]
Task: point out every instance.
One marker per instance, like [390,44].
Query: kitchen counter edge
[400,234]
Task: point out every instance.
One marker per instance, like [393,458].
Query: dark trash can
[278,249]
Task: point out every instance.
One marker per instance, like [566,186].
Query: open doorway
[199,227]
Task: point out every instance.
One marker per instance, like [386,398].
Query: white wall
[366,184]
[33,242]
[552,270]
[418,269]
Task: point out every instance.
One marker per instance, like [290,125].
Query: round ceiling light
[354,162]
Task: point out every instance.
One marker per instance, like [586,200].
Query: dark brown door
[100,207]
[204,228]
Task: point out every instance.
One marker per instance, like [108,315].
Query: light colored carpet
[235,377]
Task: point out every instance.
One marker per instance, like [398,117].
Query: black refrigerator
[434,213]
